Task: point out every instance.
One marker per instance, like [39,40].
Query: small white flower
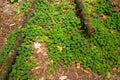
[37,45]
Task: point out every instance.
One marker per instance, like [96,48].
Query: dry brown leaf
[86,71]
[108,75]
[78,65]
[118,69]
[104,17]
[63,78]
[38,51]
[114,69]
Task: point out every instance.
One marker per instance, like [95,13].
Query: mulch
[9,20]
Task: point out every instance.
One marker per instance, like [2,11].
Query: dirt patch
[42,60]
[9,20]
[74,73]
[115,4]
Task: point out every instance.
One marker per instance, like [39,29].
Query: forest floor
[75,72]
[10,20]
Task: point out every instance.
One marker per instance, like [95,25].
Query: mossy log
[10,59]
[85,18]
[6,65]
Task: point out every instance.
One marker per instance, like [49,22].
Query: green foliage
[58,26]
[108,44]
[12,1]
[103,6]
[25,5]
[112,22]
[20,70]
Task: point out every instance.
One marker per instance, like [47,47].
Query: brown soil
[9,20]
[115,4]
[42,61]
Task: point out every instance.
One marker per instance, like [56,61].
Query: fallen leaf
[118,69]
[37,67]
[51,61]
[114,69]
[108,75]
[60,48]
[63,77]
[104,17]
[78,65]
[86,71]
[38,51]
[12,24]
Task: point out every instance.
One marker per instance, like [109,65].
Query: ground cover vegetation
[57,25]
[107,38]
[104,7]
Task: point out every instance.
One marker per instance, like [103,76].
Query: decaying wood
[85,17]
[7,63]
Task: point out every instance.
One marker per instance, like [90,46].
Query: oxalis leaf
[12,1]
